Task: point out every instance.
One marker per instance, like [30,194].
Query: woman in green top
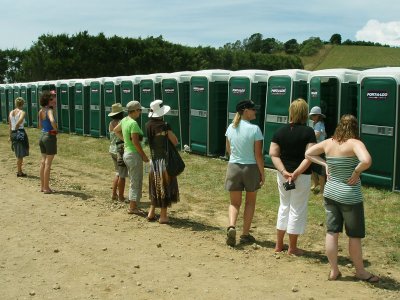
[346,158]
[134,156]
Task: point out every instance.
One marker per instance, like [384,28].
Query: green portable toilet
[379,125]
[96,100]
[23,92]
[336,92]
[111,89]
[16,93]
[175,89]
[284,86]
[10,97]
[82,106]
[149,90]
[3,102]
[66,93]
[129,88]
[208,111]
[34,103]
[248,84]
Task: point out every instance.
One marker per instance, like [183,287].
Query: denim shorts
[351,215]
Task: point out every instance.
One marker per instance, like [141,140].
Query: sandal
[135,212]
[371,279]
[22,174]
[152,219]
[48,191]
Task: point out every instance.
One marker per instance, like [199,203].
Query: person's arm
[9,127]
[51,119]
[303,165]
[365,161]
[118,131]
[172,137]
[228,146]
[275,153]
[20,120]
[138,146]
[258,146]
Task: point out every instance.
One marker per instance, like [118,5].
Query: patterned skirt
[163,189]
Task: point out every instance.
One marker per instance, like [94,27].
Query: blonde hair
[298,111]
[346,129]
[236,120]
[19,102]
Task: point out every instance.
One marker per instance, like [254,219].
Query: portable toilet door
[82,107]
[150,89]
[96,100]
[336,92]
[284,86]
[379,125]
[3,100]
[129,88]
[208,111]
[67,106]
[10,97]
[175,89]
[112,94]
[23,92]
[16,92]
[34,103]
[248,85]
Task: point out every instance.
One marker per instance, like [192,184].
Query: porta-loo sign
[377,95]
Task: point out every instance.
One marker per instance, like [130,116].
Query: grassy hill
[352,57]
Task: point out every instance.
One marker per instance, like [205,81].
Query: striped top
[336,188]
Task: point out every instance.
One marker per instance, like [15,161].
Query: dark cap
[242,105]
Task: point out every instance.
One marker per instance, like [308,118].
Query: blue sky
[201,23]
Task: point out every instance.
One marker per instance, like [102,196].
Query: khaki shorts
[241,177]
[48,143]
[119,170]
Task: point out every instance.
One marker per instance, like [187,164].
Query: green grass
[353,57]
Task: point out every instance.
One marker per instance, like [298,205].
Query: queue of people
[293,148]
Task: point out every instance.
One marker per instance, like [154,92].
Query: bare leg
[355,252]
[42,165]
[114,187]
[315,182]
[152,212]
[331,250]
[249,207]
[234,207]
[164,215]
[293,245]
[46,173]
[280,234]
[19,165]
[121,188]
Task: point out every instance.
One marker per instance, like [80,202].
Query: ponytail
[236,120]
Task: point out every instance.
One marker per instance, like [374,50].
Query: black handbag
[174,162]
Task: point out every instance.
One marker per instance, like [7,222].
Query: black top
[156,129]
[292,140]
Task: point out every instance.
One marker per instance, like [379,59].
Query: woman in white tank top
[18,137]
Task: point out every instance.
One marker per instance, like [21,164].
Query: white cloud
[383,33]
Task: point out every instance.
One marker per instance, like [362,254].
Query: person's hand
[354,178]
[145,158]
[327,172]
[286,174]
[262,179]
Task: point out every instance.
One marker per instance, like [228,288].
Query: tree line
[82,55]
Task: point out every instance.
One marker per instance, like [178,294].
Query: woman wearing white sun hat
[163,188]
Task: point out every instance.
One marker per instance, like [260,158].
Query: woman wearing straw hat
[116,148]
[318,172]
[163,188]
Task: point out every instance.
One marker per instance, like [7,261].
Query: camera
[289,185]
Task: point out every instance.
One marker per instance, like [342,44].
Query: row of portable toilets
[203,104]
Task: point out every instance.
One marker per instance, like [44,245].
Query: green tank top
[336,188]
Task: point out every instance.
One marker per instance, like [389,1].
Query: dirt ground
[77,244]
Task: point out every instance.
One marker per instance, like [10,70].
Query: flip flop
[371,279]
[48,192]
[135,212]
[152,219]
